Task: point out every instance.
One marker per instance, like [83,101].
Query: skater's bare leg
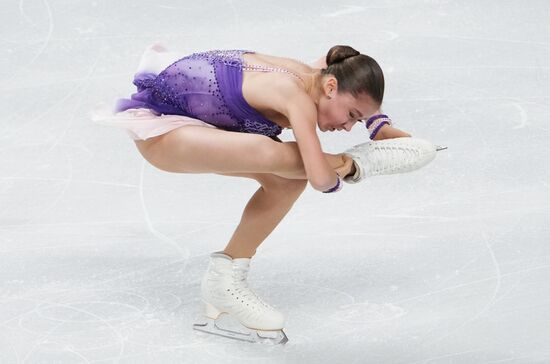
[197,149]
[265,210]
[277,166]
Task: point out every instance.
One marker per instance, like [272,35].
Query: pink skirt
[142,124]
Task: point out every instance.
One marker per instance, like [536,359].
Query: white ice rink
[101,253]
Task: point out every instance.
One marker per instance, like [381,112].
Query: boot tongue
[241,262]
[240,268]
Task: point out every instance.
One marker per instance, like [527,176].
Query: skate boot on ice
[224,290]
[389,156]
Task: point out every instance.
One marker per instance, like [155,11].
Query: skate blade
[440,147]
[274,337]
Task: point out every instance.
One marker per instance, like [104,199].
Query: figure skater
[234,104]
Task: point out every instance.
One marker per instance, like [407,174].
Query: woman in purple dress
[234,104]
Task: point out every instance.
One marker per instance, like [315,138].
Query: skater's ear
[330,85]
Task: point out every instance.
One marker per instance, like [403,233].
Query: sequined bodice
[206,86]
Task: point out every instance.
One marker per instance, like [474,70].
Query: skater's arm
[302,115]
[301,112]
[388,132]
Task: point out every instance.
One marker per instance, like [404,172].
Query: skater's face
[342,110]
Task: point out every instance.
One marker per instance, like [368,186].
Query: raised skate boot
[389,156]
[224,289]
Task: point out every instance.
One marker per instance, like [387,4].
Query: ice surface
[101,253]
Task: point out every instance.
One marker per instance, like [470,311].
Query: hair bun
[339,53]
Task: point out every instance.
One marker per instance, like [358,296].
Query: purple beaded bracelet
[376,122]
[375,131]
[373,118]
[338,186]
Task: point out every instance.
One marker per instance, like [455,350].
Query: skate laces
[392,158]
[241,285]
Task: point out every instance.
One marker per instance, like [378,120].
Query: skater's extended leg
[265,210]
[196,149]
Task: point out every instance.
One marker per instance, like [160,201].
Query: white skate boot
[224,289]
[389,156]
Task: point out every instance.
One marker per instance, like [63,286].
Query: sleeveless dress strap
[254,67]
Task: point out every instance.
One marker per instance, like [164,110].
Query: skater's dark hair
[356,73]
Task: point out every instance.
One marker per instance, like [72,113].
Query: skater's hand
[389,132]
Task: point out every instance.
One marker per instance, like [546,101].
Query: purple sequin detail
[205,86]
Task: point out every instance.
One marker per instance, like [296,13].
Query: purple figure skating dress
[205,86]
